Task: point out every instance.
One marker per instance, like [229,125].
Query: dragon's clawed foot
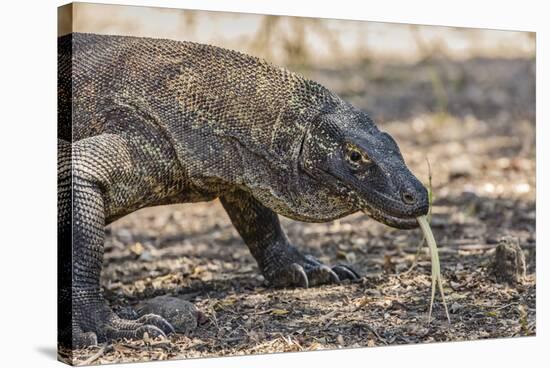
[108,326]
[290,269]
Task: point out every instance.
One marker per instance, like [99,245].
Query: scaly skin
[145,122]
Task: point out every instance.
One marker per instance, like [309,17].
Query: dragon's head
[355,166]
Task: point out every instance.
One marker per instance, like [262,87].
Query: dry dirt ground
[473,120]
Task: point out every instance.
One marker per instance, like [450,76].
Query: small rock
[455,307]
[137,249]
[455,285]
[359,242]
[509,262]
[125,236]
[146,256]
[183,315]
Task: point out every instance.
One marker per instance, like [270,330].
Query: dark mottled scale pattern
[145,122]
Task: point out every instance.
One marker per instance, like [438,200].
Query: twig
[329,314]
[329,317]
[371,329]
[496,307]
[94,357]
[163,344]
[288,340]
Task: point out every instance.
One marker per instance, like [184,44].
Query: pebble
[181,314]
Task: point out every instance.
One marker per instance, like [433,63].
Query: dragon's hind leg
[280,262]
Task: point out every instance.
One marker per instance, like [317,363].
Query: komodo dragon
[145,122]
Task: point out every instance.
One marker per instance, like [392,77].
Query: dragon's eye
[355,156]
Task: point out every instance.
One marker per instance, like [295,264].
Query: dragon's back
[176,85]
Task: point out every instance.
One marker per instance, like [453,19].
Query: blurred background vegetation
[440,81]
[302,41]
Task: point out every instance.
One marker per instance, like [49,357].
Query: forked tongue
[436,269]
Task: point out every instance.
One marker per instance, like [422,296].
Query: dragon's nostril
[408,198]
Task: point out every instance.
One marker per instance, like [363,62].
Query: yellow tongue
[436,269]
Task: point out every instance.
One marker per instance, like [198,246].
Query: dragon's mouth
[391,220]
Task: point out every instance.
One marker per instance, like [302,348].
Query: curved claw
[323,275]
[157,321]
[152,331]
[152,324]
[299,275]
[289,268]
[345,272]
[138,332]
